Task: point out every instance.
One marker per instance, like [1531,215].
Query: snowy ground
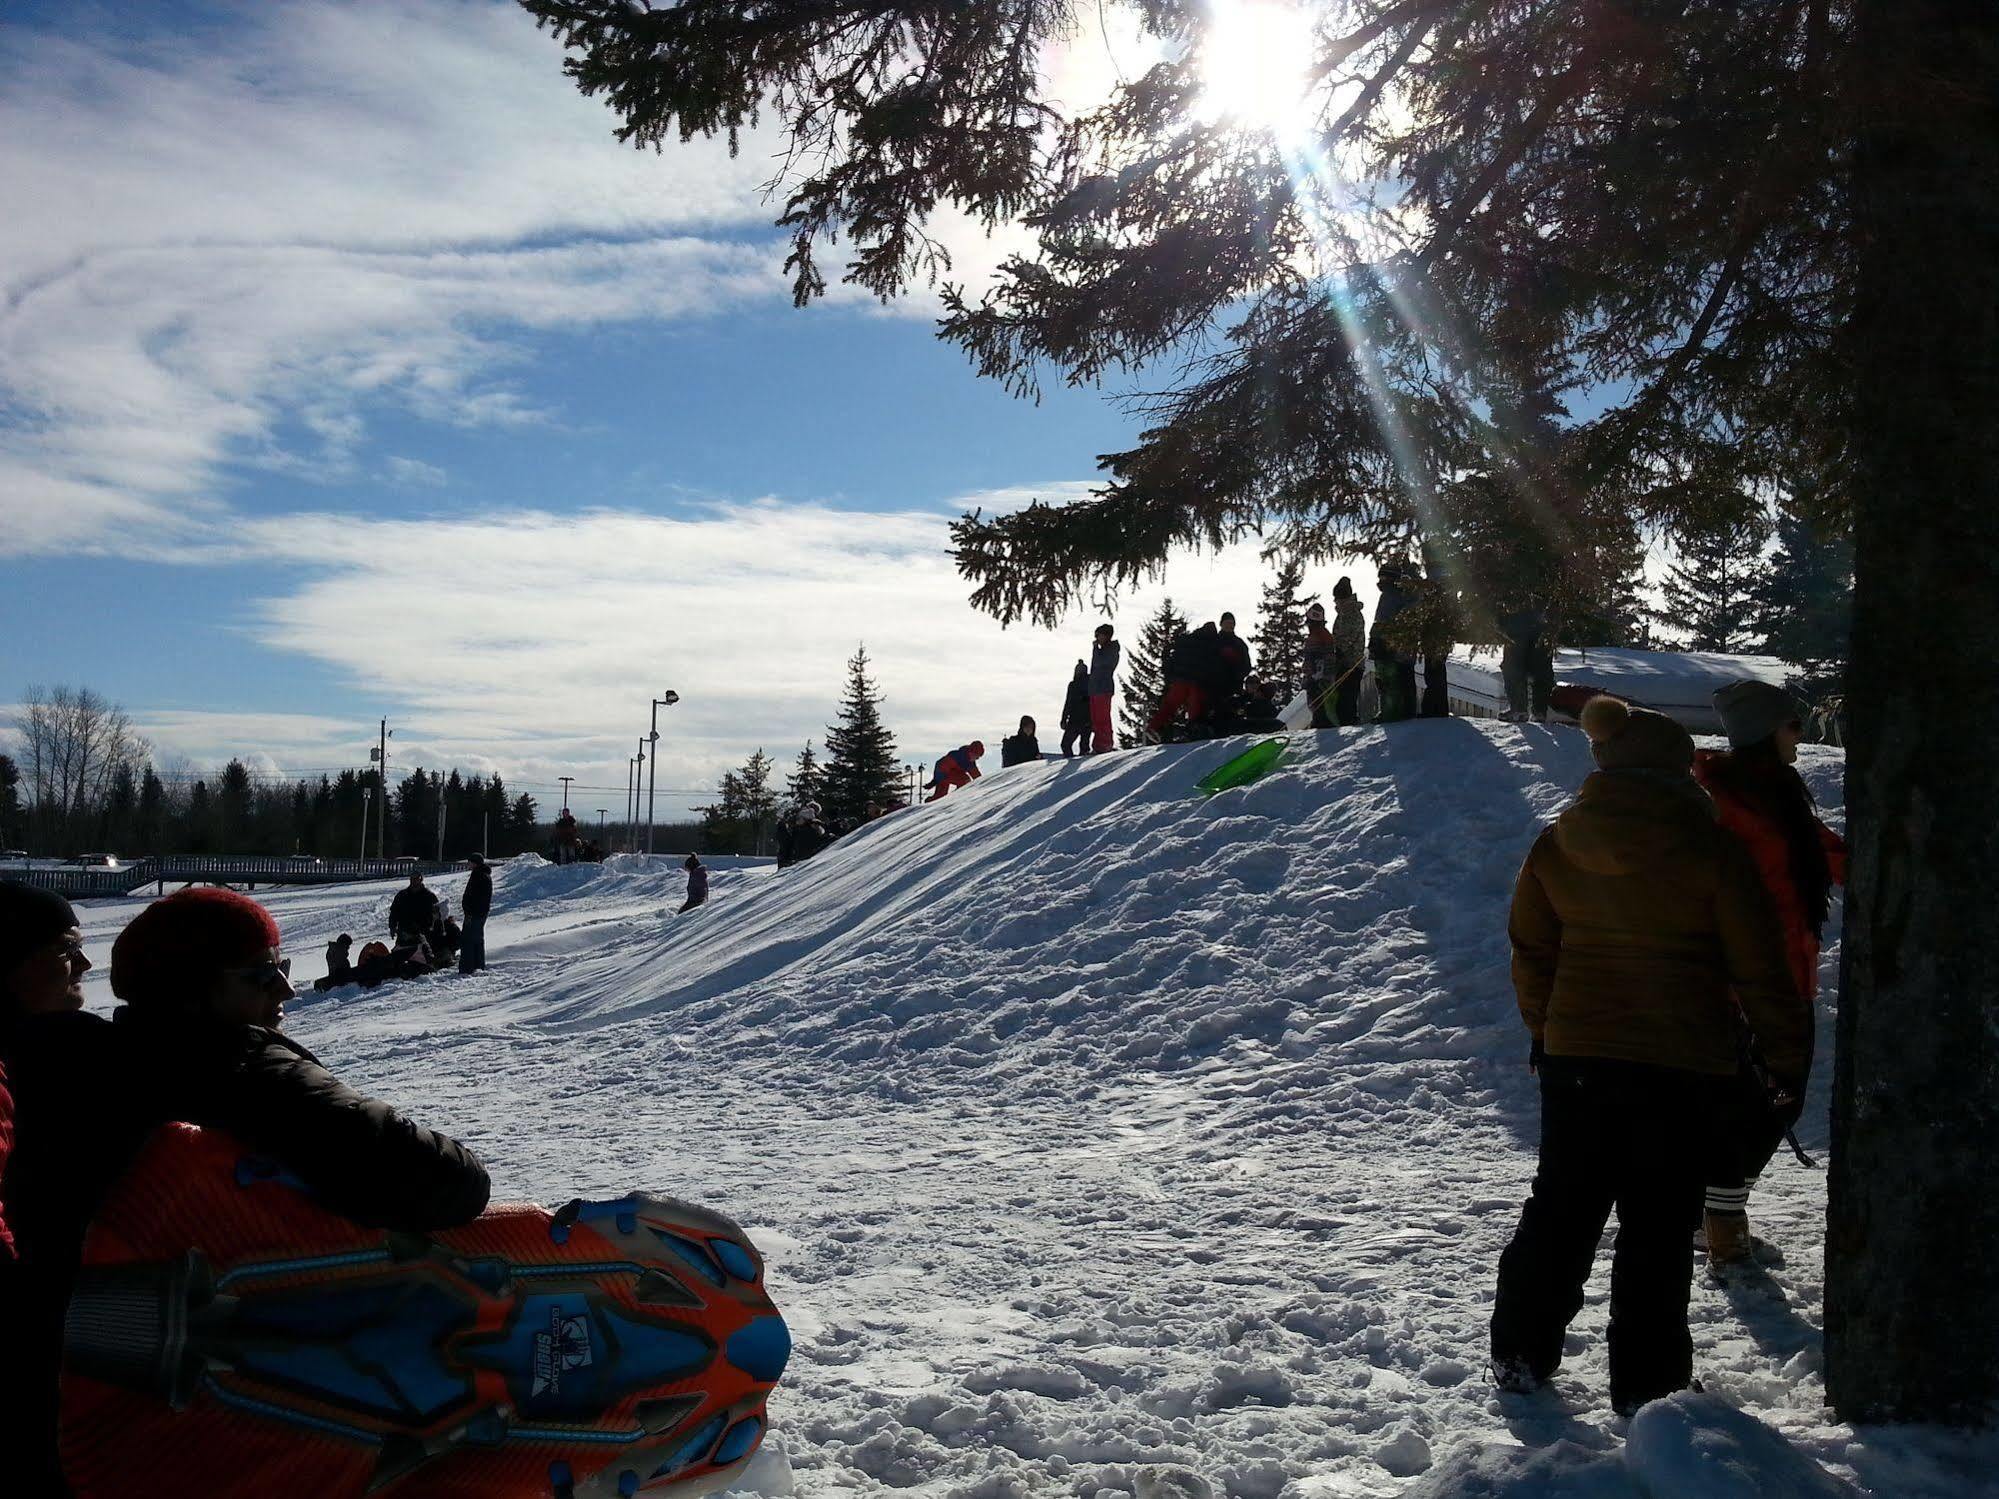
[1109,1142]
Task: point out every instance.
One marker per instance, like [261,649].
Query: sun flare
[1253,64]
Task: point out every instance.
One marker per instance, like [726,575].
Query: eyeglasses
[263,975]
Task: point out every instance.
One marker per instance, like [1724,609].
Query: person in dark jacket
[1233,663]
[1634,919]
[1390,648]
[1105,653]
[697,883]
[339,964]
[477,903]
[1020,747]
[809,833]
[1349,652]
[52,1098]
[1076,713]
[1436,634]
[1194,674]
[1527,664]
[414,909]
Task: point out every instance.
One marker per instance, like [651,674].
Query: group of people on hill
[1665,934]
[198,1037]
[569,846]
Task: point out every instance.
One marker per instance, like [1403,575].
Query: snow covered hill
[1106,1140]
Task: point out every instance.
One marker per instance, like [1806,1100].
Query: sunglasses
[265,973]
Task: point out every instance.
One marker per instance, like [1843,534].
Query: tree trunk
[1912,1249]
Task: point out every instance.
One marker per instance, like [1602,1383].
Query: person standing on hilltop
[1390,647]
[1634,919]
[1105,654]
[1349,652]
[697,883]
[1321,674]
[1076,713]
[1020,747]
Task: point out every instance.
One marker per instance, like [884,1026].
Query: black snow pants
[1528,669]
[1436,687]
[1620,1135]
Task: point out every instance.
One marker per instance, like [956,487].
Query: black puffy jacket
[413,909]
[478,897]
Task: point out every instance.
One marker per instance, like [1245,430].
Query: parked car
[14,855]
[97,861]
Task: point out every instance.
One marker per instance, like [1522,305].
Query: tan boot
[1727,1239]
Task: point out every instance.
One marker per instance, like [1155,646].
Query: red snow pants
[1179,694]
[950,776]
[1100,723]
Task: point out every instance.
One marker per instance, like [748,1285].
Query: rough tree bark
[1912,1251]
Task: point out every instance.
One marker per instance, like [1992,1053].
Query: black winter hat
[29,918]
[1343,589]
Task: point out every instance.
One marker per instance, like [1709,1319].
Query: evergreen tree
[523,824]
[1143,675]
[1280,630]
[13,821]
[149,831]
[1710,589]
[233,796]
[807,781]
[861,766]
[1804,607]
[200,836]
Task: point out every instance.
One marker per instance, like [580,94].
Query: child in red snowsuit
[959,768]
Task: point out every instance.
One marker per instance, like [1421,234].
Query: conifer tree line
[86,782]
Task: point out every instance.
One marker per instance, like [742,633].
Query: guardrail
[87,884]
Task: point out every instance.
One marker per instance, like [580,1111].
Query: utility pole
[664,700]
[631,769]
[600,827]
[367,795]
[382,808]
[565,790]
[440,819]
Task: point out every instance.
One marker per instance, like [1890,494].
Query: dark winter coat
[1349,634]
[1523,627]
[477,902]
[413,910]
[697,886]
[1388,642]
[1634,917]
[1321,657]
[1076,705]
[807,838]
[1103,667]
[1196,657]
[1018,749]
[339,966]
[1232,662]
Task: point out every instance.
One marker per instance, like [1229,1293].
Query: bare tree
[74,742]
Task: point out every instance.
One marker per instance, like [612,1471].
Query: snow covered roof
[1680,684]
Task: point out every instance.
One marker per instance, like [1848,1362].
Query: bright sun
[1253,65]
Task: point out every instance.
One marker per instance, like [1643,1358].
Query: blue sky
[348,366]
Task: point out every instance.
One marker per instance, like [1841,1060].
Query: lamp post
[565,790]
[664,700]
[367,795]
[631,769]
[638,780]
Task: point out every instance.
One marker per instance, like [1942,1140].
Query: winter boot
[1727,1239]
[1514,1376]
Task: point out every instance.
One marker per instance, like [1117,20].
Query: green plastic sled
[1251,765]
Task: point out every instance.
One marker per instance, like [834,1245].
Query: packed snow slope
[1110,1141]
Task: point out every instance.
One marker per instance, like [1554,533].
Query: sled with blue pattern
[230,1337]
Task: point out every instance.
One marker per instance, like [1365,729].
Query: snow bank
[1106,1140]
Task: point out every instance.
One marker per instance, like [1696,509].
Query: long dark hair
[1756,774]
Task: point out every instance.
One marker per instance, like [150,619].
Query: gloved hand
[1536,1053]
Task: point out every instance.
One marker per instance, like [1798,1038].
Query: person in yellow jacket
[1635,917]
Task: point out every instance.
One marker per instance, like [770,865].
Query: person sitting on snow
[697,883]
[339,966]
[959,768]
[808,833]
[1021,747]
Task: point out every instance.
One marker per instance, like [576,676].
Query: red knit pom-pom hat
[178,946]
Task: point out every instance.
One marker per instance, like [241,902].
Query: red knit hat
[179,945]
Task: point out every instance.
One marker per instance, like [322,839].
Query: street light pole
[638,780]
[630,766]
[367,795]
[565,790]
[665,700]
